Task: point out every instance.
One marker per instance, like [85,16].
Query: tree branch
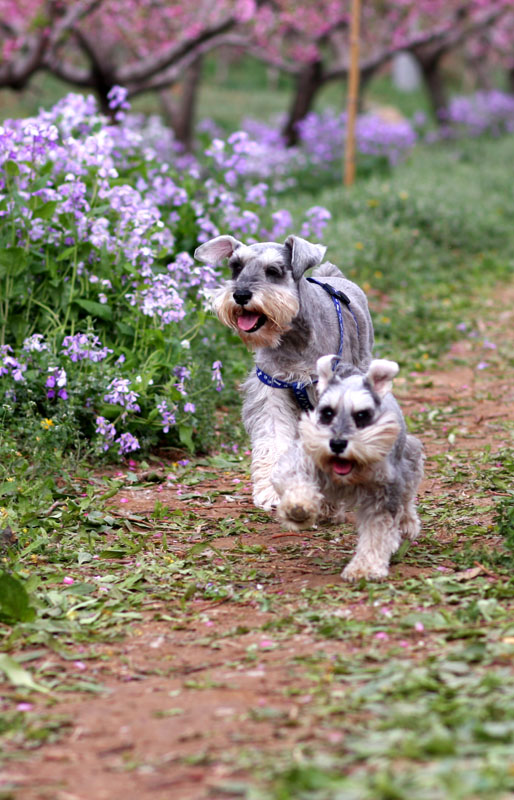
[146,68]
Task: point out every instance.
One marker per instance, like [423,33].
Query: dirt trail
[188,704]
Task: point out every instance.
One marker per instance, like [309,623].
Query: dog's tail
[326,270]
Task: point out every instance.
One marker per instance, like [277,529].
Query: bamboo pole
[353,94]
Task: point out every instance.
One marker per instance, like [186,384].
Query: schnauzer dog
[354,449]
[290,321]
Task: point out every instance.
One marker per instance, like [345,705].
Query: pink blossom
[68,581]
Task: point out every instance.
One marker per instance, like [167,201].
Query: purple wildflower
[127,443]
[216,375]
[107,430]
[168,417]
[56,383]
[120,393]
[84,346]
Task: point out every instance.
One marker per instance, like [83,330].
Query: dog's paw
[298,509]
[410,526]
[359,568]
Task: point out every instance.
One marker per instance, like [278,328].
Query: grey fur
[361,457]
[300,325]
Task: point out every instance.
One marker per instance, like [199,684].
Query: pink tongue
[342,467]
[247,320]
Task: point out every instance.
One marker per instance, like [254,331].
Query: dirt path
[197,697]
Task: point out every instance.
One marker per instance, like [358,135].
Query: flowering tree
[146,45]
[98,44]
[310,41]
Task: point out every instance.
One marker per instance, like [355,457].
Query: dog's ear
[380,375]
[304,255]
[325,369]
[217,249]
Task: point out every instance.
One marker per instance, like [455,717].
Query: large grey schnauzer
[290,321]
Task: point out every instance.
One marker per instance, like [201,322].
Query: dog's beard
[273,313]
[366,448]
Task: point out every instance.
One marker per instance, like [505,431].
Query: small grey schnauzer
[354,450]
[290,321]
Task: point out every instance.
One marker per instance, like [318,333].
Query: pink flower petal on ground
[419,627]
[483,365]
[123,499]
[24,707]
[68,581]
[381,635]
[266,643]
[79,665]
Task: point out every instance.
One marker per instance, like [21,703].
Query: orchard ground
[287,683]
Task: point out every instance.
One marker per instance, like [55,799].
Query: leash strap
[300,389]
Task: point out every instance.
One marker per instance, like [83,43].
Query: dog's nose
[242,296]
[338,445]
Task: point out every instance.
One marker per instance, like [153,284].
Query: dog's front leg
[294,480]
[271,418]
[379,538]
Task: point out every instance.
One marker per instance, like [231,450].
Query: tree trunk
[432,76]
[510,79]
[308,84]
[365,79]
[180,114]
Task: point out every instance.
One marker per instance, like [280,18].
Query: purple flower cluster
[323,135]
[84,346]
[10,366]
[484,112]
[119,393]
[56,383]
[126,442]
[216,375]
[168,418]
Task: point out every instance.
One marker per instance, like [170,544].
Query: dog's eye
[362,418]
[273,272]
[326,415]
[236,267]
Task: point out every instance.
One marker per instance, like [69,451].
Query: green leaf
[13,261]
[46,211]
[185,433]
[14,601]
[19,676]
[11,168]
[66,253]
[95,309]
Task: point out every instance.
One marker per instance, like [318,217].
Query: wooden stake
[353,94]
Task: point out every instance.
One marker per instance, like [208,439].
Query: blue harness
[300,389]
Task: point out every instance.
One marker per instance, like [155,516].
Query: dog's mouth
[250,321]
[342,466]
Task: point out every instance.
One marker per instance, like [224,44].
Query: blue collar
[300,389]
